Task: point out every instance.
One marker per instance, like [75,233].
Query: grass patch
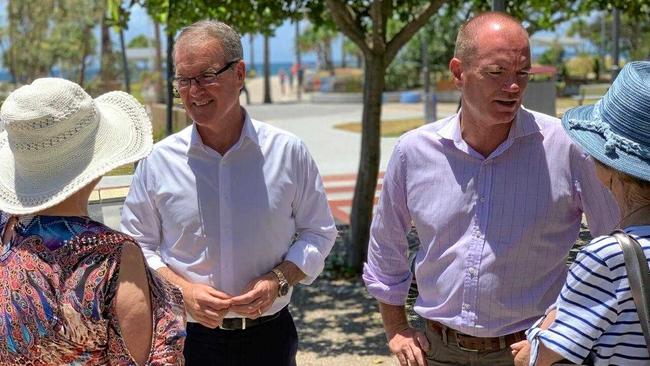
[390,128]
[127,169]
[565,103]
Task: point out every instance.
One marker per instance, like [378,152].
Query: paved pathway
[340,190]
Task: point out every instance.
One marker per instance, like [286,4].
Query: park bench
[591,92]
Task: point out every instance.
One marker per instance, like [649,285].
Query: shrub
[580,67]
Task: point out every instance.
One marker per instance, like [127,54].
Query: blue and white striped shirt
[595,310]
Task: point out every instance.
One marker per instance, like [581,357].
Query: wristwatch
[283,284]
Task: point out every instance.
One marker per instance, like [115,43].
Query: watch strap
[282,280]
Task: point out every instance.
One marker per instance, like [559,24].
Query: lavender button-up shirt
[495,231]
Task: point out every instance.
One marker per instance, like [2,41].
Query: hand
[409,346]
[205,304]
[257,297]
[521,353]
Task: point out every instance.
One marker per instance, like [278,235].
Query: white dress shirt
[225,220]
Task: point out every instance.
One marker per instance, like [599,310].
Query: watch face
[284,288]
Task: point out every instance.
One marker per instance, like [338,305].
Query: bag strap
[638,276]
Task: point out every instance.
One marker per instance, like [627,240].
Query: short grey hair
[211,30]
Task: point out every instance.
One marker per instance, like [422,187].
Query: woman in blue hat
[595,320]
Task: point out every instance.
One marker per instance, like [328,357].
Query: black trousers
[274,343]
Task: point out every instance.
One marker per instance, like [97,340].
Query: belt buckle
[461,347]
[236,325]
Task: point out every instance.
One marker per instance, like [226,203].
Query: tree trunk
[267,72]
[125,63]
[343,53]
[107,60]
[160,97]
[85,51]
[170,87]
[12,37]
[329,63]
[364,191]
[251,39]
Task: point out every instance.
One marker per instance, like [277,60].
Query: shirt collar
[249,132]
[523,125]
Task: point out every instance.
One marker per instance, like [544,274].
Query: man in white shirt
[231,210]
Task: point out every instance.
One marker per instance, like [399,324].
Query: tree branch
[344,18]
[410,29]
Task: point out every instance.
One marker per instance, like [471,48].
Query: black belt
[245,323]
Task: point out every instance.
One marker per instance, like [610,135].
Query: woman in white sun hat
[595,320]
[73,291]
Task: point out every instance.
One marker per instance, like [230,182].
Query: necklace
[627,218]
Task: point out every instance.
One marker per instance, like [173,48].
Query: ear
[240,70]
[456,69]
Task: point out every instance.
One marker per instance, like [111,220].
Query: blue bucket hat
[616,130]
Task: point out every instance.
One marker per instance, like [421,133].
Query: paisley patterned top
[58,279]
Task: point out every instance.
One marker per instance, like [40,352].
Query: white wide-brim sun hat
[57,140]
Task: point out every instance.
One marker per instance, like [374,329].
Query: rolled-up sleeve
[315,226]
[141,219]
[387,273]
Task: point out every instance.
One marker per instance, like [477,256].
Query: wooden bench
[591,92]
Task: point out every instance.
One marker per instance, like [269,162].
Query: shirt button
[472,272]
[466,307]
[482,199]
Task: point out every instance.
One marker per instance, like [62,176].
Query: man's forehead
[503,48]
[193,52]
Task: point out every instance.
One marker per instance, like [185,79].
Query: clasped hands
[209,306]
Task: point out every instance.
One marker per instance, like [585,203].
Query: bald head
[469,32]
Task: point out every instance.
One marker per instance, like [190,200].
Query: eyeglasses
[204,79]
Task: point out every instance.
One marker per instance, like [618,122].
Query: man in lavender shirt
[496,193]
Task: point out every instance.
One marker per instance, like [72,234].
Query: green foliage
[553,55]
[247,16]
[318,40]
[634,34]
[139,41]
[403,75]
[580,66]
[44,33]
[405,71]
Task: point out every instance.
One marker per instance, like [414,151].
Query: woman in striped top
[594,320]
